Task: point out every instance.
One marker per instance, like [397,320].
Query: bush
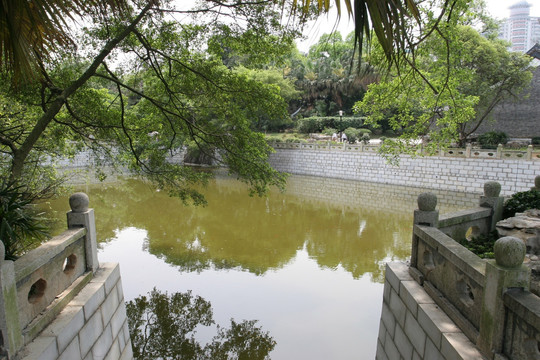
[329,131]
[492,139]
[482,245]
[365,138]
[364,131]
[521,201]
[318,124]
[535,140]
[21,227]
[352,134]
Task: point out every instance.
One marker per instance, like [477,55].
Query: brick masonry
[92,326]
[443,173]
[413,327]
[518,118]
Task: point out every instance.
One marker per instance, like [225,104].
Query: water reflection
[355,225]
[308,264]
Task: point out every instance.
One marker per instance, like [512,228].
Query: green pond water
[308,264]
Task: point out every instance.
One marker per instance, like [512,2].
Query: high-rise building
[521,29]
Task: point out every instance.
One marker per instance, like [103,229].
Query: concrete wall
[518,118]
[92,326]
[445,173]
[413,326]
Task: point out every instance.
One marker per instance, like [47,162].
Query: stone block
[403,344]
[42,348]
[380,355]
[398,308]
[118,319]
[432,352]
[109,306]
[113,270]
[390,349]
[435,322]
[66,326]
[103,344]
[382,331]
[90,332]
[72,351]
[416,334]
[456,346]
[91,297]
[388,319]
[114,352]
[413,294]
[127,354]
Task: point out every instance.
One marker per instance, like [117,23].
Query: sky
[497,8]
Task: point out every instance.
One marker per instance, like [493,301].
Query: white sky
[497,8]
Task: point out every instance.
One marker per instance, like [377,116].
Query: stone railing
[489,300]
[500,153]
[36,287]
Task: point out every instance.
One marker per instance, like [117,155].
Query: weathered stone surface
[427,201]
[509,251]
[492,189]
[525,226]
[79,202]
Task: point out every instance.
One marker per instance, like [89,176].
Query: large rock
[525,226]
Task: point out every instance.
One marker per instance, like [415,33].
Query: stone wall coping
[524,304]
[495,154]
[461,257]
[460,217]
[36,258]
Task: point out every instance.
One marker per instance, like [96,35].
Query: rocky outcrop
[525,226]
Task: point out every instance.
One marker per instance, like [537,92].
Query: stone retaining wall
[413,326]
[92,326]
[434,172]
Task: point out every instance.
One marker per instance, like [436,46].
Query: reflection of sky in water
[308,264]
[312,313]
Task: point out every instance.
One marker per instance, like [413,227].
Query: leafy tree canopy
[456,79]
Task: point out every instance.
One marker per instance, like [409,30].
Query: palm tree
[31,29]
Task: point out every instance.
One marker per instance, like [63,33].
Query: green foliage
[521,201]
[491,139]
[329,131]
[365,138]
[21,227]
[352,134]
[162,326]
[457,77]
[318,124]
[482,245]
[535,140]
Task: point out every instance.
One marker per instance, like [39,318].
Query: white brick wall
[92,326]
[413,327]
[452,174]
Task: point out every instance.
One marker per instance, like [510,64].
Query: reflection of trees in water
[163,326]
[255,234]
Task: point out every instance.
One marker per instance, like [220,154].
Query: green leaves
[163,326]
[20,226]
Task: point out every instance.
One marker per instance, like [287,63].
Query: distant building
[521,29]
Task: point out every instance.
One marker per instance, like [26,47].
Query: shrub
[364,131]
[329,131]
[535,140]
[492,139]
[521,201]
[318,124]
[365,138]
[482,245]
[20,226]
[352,134]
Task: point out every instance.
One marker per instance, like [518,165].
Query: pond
[308,264]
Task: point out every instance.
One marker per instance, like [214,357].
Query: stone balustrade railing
[489,300]
[469,152]
[36,287]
